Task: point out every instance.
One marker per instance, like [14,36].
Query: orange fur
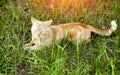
[43,34]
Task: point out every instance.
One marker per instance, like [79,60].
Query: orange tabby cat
[43,34]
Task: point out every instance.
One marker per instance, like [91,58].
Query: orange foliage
[65,6]
[70,3]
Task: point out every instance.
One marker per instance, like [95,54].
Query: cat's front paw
[26,46]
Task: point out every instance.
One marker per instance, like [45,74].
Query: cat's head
[40,25]
[41,29]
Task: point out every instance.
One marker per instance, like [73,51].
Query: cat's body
[77,31]
[43,34]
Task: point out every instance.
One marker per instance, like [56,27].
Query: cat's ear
[37,22]
[49,22]
[34,21]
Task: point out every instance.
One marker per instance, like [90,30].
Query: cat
[43,34]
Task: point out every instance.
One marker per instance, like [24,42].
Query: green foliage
[99,57]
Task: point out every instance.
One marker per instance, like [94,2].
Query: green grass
[99,57]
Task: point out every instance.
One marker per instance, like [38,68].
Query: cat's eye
[43,34]
[47,32]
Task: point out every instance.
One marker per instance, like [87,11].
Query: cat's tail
[104,32]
